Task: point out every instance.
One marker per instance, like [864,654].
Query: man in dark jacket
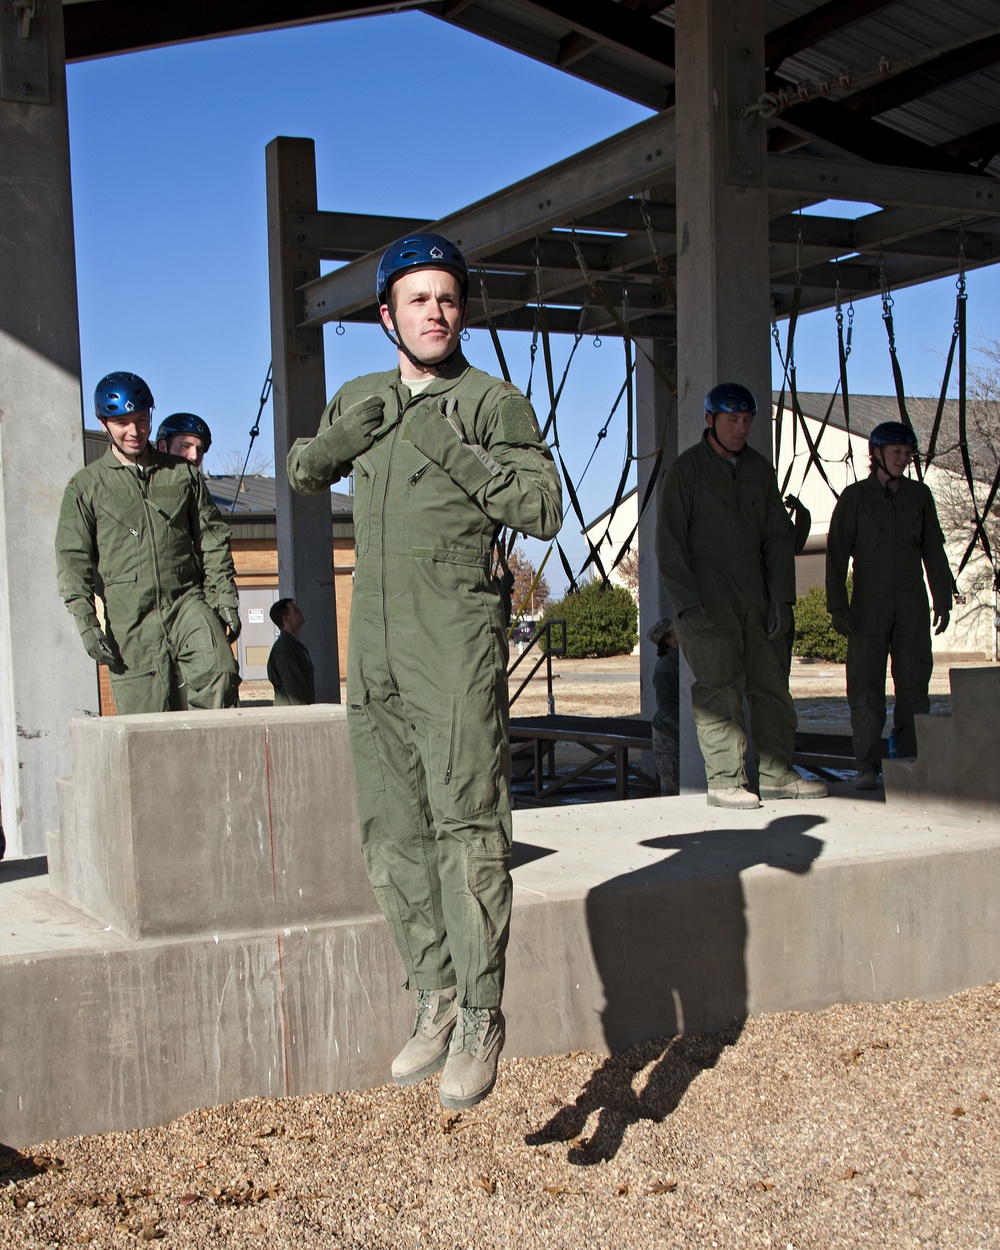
[289,666]
[724,544]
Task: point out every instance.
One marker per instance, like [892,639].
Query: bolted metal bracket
[24,52]
[744,131]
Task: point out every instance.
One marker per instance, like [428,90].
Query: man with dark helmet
[443,456]
[887,524]
[724,544]
[138,528]
[186,435]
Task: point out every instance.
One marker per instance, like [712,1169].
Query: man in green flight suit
[724,544]
[138,528]
[289,665]
[888,525]
[443,457]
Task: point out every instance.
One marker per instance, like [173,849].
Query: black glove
[839,618]
[778,620]
[99,649]
[695,619]
[230,619]
[941,620]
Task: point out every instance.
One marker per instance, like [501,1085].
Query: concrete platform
[631,920]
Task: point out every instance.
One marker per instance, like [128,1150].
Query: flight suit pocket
[470,773]
[368,775]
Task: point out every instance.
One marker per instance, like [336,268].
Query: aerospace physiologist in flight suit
[888,525]
[443,456]
[139,528]
[725,545]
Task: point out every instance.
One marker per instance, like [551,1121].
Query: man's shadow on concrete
[670,943]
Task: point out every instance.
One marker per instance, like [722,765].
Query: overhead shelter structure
[687,225]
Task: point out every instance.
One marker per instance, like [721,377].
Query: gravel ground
[857,1126]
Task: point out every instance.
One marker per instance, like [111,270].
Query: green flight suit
[892,537]
[427,660]
[290,672]
[152,544]
[724,541]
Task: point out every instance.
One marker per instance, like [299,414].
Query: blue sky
[410,117]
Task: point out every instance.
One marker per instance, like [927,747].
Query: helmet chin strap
[132,459]
[712,434]
[397,342]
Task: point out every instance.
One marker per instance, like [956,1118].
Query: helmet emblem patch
[436,253]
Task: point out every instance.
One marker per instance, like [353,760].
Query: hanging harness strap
[613,313]
[843,352]
[254,432]
[497,347]
[647,496]
[593,557]
[897,373]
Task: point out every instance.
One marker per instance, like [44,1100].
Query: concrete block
[209,821]
[955,768]
[631,920]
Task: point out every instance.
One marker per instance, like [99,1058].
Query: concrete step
[956,755]
[631,920]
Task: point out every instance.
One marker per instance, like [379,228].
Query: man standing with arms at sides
[139,528]
[289,666]
[443,457]
[724,546]
[888,525]
[185,435]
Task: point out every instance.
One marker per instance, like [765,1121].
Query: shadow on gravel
[15,1166]
[670,943]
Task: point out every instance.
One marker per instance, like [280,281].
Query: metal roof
[889,102]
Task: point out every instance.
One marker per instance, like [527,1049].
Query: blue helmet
[119,394]
[730,397]
[184,423]
[892,434]
[420,251]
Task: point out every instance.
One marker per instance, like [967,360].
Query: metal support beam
[913,188]
[585,182]
[305,553]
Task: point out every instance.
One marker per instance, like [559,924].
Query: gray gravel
[857,1126]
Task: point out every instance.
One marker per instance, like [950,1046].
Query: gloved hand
[314,463]
[230,619]
[779,618]
[941,620]
[695,619]
[99,649]
[840,624]
[793,502]
[441,437]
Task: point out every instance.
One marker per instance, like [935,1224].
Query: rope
[254,432]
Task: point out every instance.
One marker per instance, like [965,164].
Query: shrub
[815,637]
[601,619]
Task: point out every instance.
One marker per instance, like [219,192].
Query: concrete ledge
[211,820]
[631,920]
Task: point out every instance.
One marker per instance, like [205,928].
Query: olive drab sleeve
[497,455]
[76,557]
[212,537]
[939,574]
[839,545]
[778,547]
[526,493]
[673,552]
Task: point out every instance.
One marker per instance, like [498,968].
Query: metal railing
[544,656]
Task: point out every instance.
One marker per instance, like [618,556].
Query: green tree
[600,620]
[815,637]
